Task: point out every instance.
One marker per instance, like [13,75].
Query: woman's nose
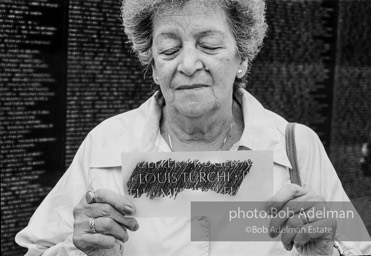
[190,61]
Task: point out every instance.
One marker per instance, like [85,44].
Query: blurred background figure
[366,157]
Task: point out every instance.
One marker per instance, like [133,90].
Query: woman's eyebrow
[167,35]
[173,34]
[206,33]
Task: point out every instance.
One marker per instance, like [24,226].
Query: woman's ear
[241,72]
[154,75]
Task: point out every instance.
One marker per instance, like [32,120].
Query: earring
[239,73]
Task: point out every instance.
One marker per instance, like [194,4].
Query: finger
[292,226]
[119,202]
[89,241]
[278,221]
[108,226]
[324,229]
[288,210]
[288,192]
[120,247]
[298,207]
[105,210]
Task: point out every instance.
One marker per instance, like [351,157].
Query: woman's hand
[100,226]
[294,215]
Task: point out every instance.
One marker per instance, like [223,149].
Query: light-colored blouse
[97,164]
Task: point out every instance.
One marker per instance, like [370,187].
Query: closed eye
[170,52]
[210,48]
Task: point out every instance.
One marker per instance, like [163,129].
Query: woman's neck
[209,132]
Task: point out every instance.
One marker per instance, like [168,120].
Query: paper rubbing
[164,184]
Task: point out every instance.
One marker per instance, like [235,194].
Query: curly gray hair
[246,20]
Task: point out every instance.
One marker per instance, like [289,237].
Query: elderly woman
[199,53]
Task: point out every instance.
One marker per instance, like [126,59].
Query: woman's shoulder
[304,135]
[121,133]
[117,122]
[123,123]
[309,148]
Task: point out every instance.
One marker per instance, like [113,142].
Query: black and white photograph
[185,127]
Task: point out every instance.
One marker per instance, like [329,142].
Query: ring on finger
[92,225]
[90,197]
[305,217]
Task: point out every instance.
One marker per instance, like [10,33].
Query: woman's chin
[194,103]
[194,109]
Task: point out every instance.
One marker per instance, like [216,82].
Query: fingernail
[273,234]
[136,227]
[126,239]
[128,209]
[286,247]
[290,246]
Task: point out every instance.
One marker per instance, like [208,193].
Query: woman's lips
[189,87]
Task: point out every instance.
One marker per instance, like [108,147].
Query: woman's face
[195,59]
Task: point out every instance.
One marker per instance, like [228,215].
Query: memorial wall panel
[104,78]
[293,74]
[351,122]
[32,117]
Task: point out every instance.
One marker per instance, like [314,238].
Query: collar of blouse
[261,131]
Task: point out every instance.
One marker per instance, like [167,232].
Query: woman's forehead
[169,7]
[192,7]
[192,17]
